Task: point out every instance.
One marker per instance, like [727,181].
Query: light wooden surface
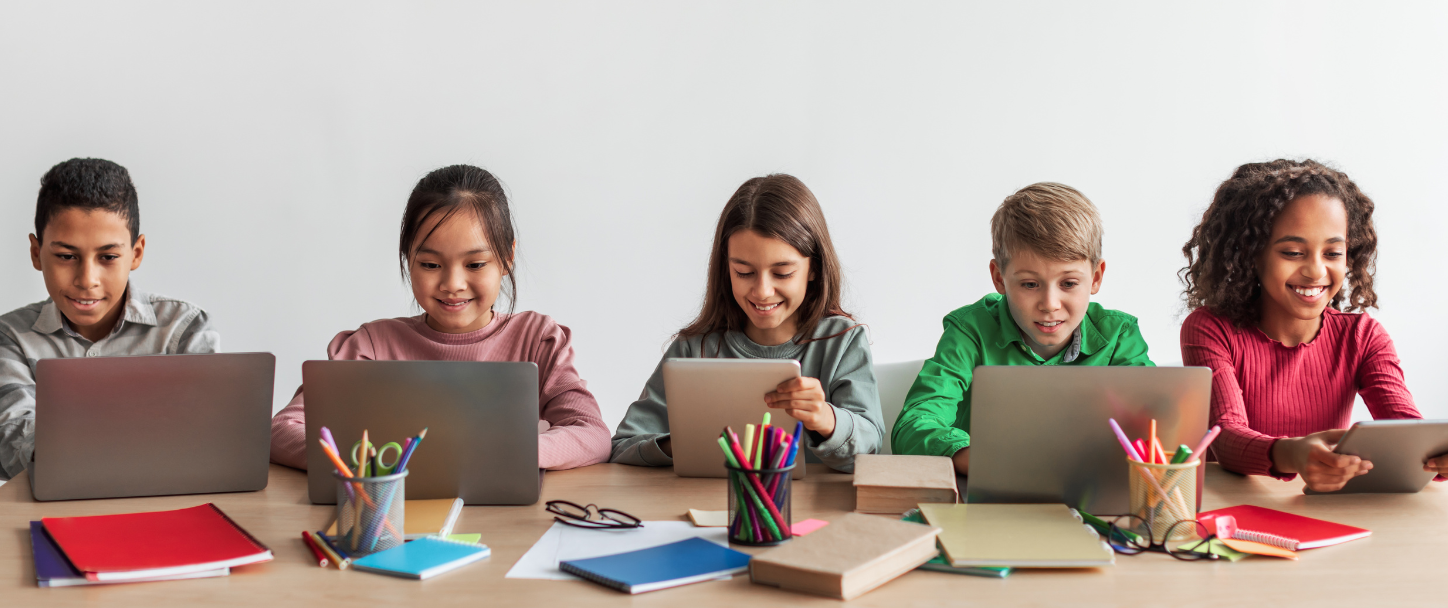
[1402,563]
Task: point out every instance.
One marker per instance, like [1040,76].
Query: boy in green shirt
[1046,242]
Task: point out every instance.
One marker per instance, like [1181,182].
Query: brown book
[854,554]
[894,484]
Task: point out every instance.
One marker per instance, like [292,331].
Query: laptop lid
[705,395]
[153,425]
[1040,434]
[482,421]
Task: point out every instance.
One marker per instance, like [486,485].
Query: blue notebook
[687,561]
[422,558]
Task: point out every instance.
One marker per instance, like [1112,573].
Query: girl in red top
[1283,246]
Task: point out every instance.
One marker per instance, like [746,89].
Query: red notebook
[1302,532]
[160,543]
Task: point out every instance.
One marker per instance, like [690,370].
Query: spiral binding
[1289,544]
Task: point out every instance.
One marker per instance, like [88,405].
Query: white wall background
[274,144]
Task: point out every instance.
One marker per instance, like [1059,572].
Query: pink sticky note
[801,528]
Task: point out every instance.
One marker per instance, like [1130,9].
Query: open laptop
[705,395]
[482,421]
[1040,434]
[154,425]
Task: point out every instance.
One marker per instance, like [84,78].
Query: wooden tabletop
[1400,563]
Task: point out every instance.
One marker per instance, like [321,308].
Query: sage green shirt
[936,418]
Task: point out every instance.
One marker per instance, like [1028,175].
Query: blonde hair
[1054,220]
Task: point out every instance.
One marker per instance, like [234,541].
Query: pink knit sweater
[576,434]
[1263,390]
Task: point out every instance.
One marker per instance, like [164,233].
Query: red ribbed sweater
[576,434]
[1263,390]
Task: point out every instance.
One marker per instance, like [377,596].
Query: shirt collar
[1086,340]
[138,310]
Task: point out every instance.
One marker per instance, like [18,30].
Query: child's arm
[855,400]
[926,425]
[17,409]
[577,435]
[289,426]
[644,430]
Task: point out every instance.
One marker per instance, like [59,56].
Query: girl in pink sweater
[1283,246]
[457,249]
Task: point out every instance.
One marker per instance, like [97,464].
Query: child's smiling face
[87,256]
[456,274]
[1047,298]
[1305,261]
[770,279]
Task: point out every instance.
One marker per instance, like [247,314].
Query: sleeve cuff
[653,455]
[844,432]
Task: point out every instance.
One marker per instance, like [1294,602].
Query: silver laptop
[705,395]
[482,421]
[112,427]
[1040,434]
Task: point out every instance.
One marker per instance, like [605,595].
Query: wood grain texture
[1400,563]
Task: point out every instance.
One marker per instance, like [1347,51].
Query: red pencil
[321,559]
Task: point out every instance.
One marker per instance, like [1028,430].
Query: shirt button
[92,354]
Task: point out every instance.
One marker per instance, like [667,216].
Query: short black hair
[90,184]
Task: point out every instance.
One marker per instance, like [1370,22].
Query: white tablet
[1397,449]
[705,395]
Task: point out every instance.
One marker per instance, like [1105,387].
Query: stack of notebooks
[198,542]
[1017,536]
[851,556]
[894,484]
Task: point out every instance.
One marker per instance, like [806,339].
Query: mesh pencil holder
[1164,494]
[370,513]
[759,499]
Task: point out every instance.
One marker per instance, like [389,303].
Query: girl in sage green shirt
[774,293]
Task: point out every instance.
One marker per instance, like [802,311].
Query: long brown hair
[461,189]
[777,206]
[1221,271]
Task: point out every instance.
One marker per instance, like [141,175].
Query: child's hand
[804,399]
[1313,458]
[1437,464]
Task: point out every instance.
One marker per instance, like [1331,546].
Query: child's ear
[997,278]
[139,251]
[35,252]
[1097,274]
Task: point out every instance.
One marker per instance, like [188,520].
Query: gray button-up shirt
[151,325]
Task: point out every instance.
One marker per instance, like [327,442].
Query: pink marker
[1125,443]
[1206,441]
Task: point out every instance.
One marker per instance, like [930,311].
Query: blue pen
[794,448]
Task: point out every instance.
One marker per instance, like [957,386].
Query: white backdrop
[274,144]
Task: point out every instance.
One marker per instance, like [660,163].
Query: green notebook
[939,563]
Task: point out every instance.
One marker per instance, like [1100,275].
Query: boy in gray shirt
[87,241]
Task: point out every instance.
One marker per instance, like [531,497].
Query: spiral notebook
[423,558]
[688,561]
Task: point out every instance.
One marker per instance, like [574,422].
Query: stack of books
[198,542]
[851,556]
[894,484]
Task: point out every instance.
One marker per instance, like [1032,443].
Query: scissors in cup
[383,468]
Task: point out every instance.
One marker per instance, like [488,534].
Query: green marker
[1105,528]
[1182,454]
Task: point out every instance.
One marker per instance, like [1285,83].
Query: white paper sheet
[563,542]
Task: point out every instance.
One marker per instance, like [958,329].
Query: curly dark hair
[1221,271]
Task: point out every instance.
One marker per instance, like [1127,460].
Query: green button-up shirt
[936,418]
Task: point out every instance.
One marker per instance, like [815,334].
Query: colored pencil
[316,551]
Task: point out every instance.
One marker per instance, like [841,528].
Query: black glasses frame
[1124,539]
[591,516]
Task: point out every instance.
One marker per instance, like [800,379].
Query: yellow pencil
[748,442]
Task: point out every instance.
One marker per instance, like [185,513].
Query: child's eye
[110,258]
[1069,284]
[1334,254]
[65,256]
[783,276]
[429,265]
[1292,254]
[743,275]
[477,265]
[1029,284]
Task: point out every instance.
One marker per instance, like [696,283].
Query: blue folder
[681,563]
